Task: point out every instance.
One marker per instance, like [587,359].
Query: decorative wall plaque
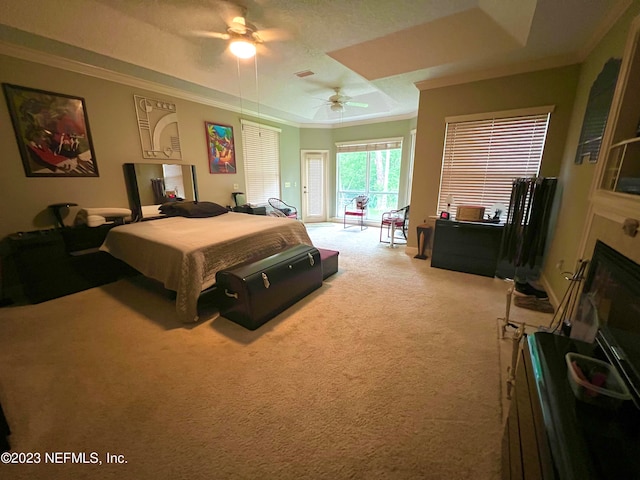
[158,126]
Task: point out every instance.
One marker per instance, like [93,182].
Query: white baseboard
[553,300]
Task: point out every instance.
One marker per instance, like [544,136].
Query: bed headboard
[151,184]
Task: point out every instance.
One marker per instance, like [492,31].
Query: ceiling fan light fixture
[242,48]
[336,107]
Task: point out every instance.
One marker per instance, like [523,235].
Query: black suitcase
[252,294]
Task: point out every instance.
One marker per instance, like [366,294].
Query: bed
[185,253]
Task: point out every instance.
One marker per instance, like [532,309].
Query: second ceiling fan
[338,101]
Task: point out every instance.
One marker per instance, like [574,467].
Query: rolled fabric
[109,212]
[95,217]
[96,220]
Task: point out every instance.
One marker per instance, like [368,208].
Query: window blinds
[261,149]
[315,182]
[372,146]
[483,157]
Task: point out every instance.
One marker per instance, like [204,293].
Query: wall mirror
[149,185]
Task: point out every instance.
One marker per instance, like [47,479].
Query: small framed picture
[444,215]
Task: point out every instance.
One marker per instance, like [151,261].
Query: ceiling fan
[243,36]
[337,101]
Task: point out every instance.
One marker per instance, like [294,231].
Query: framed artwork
[52,131]
[158,128]
[220,148]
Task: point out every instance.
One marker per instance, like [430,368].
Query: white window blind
[261,149]
[372,146]
[482,158]
[315,182]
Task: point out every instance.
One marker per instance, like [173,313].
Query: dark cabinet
[468,247]
[52,263]
[250,210]
[4,432]
[525,448]
[550,434]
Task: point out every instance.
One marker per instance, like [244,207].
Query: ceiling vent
[305,73]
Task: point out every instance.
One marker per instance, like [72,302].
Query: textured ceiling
[375,50]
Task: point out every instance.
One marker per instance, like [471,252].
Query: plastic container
[612,391]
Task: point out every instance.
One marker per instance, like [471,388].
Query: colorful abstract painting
[221,149]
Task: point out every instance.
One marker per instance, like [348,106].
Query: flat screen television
[613,281]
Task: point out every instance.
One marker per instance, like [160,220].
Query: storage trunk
[251,294]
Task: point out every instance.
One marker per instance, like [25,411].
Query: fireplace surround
[613,281]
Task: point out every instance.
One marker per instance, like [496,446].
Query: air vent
[305,73]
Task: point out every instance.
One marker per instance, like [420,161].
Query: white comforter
[185,253]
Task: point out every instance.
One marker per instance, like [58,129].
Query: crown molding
[63,63]
[51,60]
[504,71]
[355,123]
[607,23]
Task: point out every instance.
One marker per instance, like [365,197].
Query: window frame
[367,146]
[480,138]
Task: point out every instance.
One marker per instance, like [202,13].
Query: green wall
[113,126]
[326,139]
[116,141]
[576,180]
[545,87]
[568,89]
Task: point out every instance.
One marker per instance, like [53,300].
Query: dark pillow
[192,209]
[168,208]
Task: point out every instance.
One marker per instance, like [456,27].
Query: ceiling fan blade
[205,34]
[274,35]
[357,104]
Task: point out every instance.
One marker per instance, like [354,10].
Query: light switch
[236,186]
[287,184]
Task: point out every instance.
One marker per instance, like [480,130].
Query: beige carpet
[390,370]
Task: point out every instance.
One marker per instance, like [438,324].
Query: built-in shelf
[616,192]
[622,171]
[626,142]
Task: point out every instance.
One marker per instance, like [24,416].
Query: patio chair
[356,207]
[399,220]
[285,209]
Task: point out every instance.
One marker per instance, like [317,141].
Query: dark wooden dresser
[549,434]
[469,247]
[525,447]
[5,431]
[44,264]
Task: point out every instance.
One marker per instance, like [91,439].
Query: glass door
[314,186]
